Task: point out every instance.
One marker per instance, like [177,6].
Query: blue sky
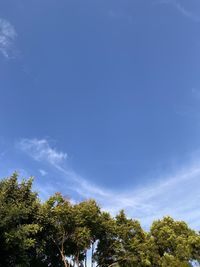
[101,99]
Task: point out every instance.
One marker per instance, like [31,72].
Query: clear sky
[101,99]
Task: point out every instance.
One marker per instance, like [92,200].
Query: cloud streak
[40,150]
[175,194]
[7,37]
[181,9]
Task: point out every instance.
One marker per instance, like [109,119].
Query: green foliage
[18,221]
[123,244]
[58,233]
[175,244]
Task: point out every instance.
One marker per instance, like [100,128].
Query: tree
[58,223]
[122,243]
[132,240]
[106,245]
[173,243]
[69,230]
[88,216]
[19,208]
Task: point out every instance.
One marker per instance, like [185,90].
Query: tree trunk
[64,260]
[92,254]
[86,258]
[77,259]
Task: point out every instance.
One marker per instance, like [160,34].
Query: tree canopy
[59,233]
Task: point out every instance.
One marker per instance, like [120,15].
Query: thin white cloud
[181,9]
[185,12]
[175,194]
[7,37]
[40,150]
[43,172]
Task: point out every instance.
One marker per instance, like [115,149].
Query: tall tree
[174,243]
[122,243]
[58,223]
[19,208]
[88,219]
[105,253]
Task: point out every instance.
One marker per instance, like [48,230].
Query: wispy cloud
[40,150]
[174,194]
[7,37]
[181,9]
[43,172]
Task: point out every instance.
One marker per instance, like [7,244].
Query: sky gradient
[101,99]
